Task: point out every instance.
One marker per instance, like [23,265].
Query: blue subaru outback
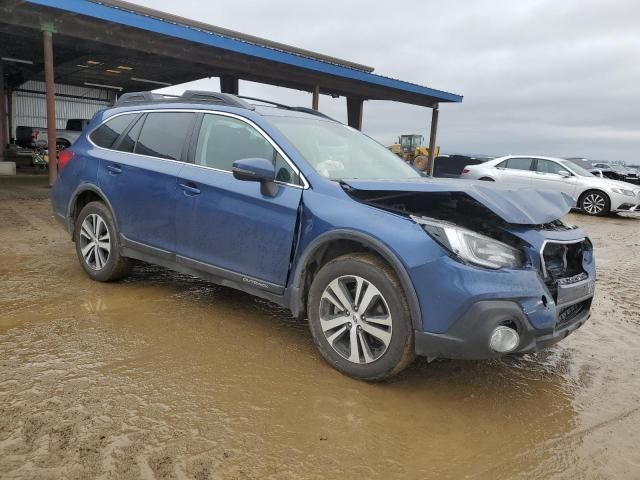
[289,205]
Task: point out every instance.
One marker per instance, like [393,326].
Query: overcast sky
[546,77]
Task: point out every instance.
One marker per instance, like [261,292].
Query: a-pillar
[354,112]
[47,34]
[229,84]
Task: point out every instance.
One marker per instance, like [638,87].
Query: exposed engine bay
[454,207]
[561,263]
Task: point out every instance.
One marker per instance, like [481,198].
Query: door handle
[114,169]
[189,189]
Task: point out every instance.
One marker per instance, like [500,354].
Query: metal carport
[125,47]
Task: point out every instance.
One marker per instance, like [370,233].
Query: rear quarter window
[106,134]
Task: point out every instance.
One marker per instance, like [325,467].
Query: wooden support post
[316,97]
[229,84]
[432,139]
[47,34]
[354,112]
[4,134]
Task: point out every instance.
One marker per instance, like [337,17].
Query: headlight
[623,191]
[470,246]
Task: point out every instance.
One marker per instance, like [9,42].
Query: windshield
[338,152]
[577,169]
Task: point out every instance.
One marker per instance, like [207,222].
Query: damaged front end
[513,268]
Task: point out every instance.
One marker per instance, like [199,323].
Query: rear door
[547,175]
[227,226]
[516,171]
[138,175]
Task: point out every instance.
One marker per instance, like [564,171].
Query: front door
[227,226]
[549,175]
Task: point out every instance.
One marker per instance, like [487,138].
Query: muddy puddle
[166,376]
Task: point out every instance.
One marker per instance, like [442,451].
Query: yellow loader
[412,150]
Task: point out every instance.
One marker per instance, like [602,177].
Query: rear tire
[374,343]
[98,244]
[595,203]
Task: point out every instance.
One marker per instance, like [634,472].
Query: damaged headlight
[470,246]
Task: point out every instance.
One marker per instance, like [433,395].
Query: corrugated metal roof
[164,24]
[232,34]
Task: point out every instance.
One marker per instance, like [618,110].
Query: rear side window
[518,163]
[106,134]
[163,134]
[223,140]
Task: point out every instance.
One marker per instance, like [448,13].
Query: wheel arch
[81,196]
[594,190]
[339,242]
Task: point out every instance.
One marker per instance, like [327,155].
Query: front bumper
[469,337]
[625,203]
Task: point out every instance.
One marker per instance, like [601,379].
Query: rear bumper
[468,338]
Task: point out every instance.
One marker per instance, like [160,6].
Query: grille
[562,263]
[563,260]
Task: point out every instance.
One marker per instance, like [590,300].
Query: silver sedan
[593,195]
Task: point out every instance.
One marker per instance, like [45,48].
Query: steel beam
[432,139]
[316,97]
[354,112]
[4,134]
[47,36]
[229,84]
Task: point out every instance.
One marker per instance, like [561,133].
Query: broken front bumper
[469,338]
[518,299]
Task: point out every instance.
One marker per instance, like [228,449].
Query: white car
[593,195]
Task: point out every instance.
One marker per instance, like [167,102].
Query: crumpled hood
[524,206]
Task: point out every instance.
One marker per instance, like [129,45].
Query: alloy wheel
[95,241]
[594,203]
[355,319]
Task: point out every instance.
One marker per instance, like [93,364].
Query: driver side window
[547,166]
[223,140]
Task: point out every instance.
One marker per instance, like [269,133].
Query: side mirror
[564,173]
[254,170]
[257,170]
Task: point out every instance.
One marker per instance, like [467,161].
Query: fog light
[504,339]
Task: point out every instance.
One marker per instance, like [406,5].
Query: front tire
[98,244]
[359,318]
[595,202]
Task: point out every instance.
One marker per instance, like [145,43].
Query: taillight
[465,170]
[64,157]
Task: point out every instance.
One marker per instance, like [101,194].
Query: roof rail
[310,111]
[189,96]
[139,97]
[200,96]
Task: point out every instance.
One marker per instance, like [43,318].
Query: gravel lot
[165,376]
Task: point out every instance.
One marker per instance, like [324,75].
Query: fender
[296,293]
[86,187]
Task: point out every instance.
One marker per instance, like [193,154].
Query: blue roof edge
[185,32]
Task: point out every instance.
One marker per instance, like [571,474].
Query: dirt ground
[165,376]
